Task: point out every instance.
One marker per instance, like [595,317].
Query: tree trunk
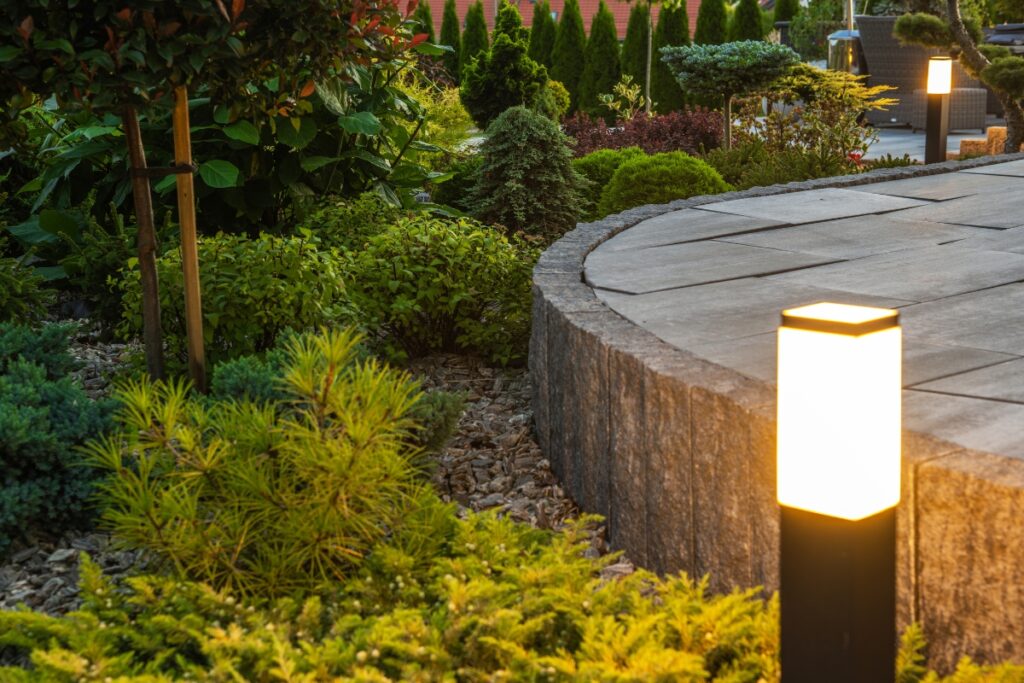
[972,58]
[650,54]
[152,333]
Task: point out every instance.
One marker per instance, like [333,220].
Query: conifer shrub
[510,23]
[44,417]
[450,36]
[747,23]
[567,54]
[786,10]
[601,64]
[427,284]
[659,179]
[456,192]
[424,20]
[553,101]
[474,36]
[24,295]
[673,29]
[634,45]
[712,23]
[599,167]
[253,289]
[527,182]
[265,502]
[501,78]
[542,34]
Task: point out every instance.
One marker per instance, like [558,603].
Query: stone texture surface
[1011,240]
[685,225]
[1012,168]
[989,210]
[946,186]
[1001,382]
[690,415]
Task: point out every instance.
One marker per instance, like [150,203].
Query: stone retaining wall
[679,455]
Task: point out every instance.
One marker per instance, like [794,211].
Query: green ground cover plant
[658,179]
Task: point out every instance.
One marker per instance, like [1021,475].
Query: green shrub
[427,285]
[510,23]
[567,59]
[599,167]
[456,191]
[450,37]
[658,179]
[542,34]
[733,163]
[500,78]
[424,20]
[262,501]
[634,45]
[527,182]
[890,161]
[349,223]
[602,69]
[474,36]
[673,29]
[44,417]
[793,166]
[786,10]
[712,23]
[746,21]
[252,290]
[24,296]
[553,101]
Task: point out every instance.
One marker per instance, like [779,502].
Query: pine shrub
[510,23]
[634,46]
[450,37]
[500,78]
[542,34]
[44,417]
[553,101]
[712,23]
[659,179]
[746,21]
[474,36]
[424,20]
[427,285]
[24,295]
[601,70]
[527,182]
[253,289]
[673,29]
[567,54]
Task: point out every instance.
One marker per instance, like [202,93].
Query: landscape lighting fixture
[936,128]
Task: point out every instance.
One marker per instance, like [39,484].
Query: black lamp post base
[936,129]
[838,592]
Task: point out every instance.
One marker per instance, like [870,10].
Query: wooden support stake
[189,252]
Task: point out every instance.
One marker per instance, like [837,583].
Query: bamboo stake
[189,252]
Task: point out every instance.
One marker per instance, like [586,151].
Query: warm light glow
[839,410]
[940,75]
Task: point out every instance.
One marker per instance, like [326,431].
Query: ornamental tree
[424,20]
[634,46]
[500,78]
[601,68]
[728,70]
[509,22]
[450,37]
[567,54]
[474,37]
[712,23]
[542,34]
[746,21]
[673,29]
[786,10]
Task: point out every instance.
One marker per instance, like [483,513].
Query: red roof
[587,7]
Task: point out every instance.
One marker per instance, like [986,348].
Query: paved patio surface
[947,250]
[898,141]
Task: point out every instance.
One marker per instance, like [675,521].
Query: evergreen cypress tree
[786,10]
[601,64]
[474,38]
[673,29]
[746,21]
[634,47]
[542,34]
[424,20]
[450,37]
[711,23]
[567,53]
[509,22]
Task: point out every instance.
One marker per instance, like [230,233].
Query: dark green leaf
[296,137]
[243,131]
[219,173]
[362,122]
[311,164]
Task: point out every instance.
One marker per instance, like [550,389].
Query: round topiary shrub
[658,179]
[599,167]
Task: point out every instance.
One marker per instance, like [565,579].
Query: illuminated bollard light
[839,398]
[936,127]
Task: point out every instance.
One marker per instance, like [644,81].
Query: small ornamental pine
[747,22]
[634,47]
[673,29]
[509,22]
[601,70]
[450,37]
[474,37]
[500,78]
[567,55]
[712,23]
[527,181]
[786,10]
[542,34]
[424,20]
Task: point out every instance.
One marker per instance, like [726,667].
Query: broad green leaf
[221,114]
[51,273]
[425,146]
[433,50]
[219,173]
[57,222]
[311,164]
[30,233]
[362,122]
[296,133]
[165,184]
[9,52]
[243,131]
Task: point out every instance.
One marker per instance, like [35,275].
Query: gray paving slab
[990,210]
[991,319]
[685,225]
[921,274]
[1002,382]
[992,426]
[725,310]
[755,356]
[1010,168]
[856,237]
[684,265]
[813,206]
[945,186]
[1011,240]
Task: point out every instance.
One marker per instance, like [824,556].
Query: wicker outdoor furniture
[906,69]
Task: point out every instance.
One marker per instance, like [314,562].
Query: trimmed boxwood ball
[599,167]
[658,179]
